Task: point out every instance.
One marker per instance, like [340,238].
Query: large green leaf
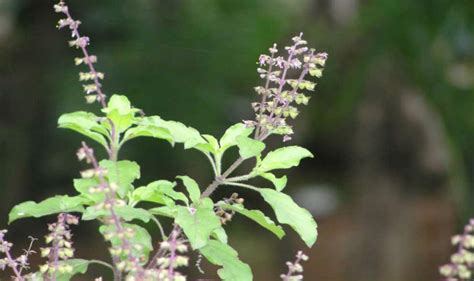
[282,158]
[53,205]
[179,132]
[85,123]
[126,212]
[198,222]
[230,136]
[167,188]
[249,147]
[258,217]
[192,187]
[122,173]
[223,255]
[288,212]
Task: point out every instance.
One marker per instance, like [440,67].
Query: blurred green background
[391,122]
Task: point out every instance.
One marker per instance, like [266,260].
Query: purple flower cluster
[93,87]
[280,93]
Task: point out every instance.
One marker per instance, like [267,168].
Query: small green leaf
[198,223]
[128,213]
[123,173]
[53,205]
[288,212]
[230,136]
[86,124]
[192,187]
[212,145]
[282,158]
[279,183]
[167,188]
[249,147]
[120,111]
[141,238]
[223,255]
[152,193]
[258,217]
[180,132]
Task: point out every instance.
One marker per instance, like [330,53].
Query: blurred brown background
[391,123]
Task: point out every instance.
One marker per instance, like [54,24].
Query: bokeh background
[391,123]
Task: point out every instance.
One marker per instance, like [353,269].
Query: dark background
[391,123]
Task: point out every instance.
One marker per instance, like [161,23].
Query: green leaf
[128,213]
[249,147]
[120,111]
[180,132]
[258,217]
[152,193]
[140,238]
[212,145]
[167,188]
[192,187]
[148,131]
[122,173]
[83,186]
[77,266]
[198,223]
[230,136]
[279,183]
[282,158]
[164,211]
[53,205]
[223,255]
[220,234]
[85,123]
[288,212]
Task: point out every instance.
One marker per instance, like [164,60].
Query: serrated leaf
[123,173]
[282,158]
[223,255]
[180,132]
[141,238]
[198,223]
[258,217]
[192,188]
[85,123]
[128,213]
[230,136]
[279,183]
[288,212]
[249,147]
[53,205]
